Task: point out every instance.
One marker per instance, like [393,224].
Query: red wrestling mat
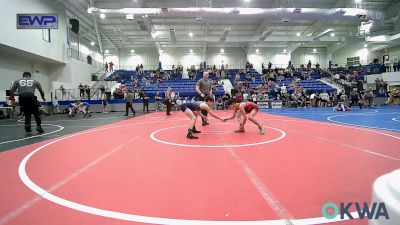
[144,170]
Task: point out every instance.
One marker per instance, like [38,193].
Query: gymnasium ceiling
[115,32]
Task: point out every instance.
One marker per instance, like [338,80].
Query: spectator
[145,98]
[102,91]
[158,102]
[129,103]
[89,59]
[141,71]
[168,100]
[63,92]
[81,91]
[87,90]
[111,66]
[220,103]
[225,98]
[254,97]
[106,67]
[324,98]
[355,98]
[237,77]
[369,98]
[55,105]
[104,104]
[239,97]
[245,96]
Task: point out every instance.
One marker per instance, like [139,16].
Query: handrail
[75,54]
[75,93]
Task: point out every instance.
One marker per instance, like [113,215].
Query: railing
[169,67]
[75,54]
[76,94]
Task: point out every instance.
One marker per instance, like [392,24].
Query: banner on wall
[263,104]
[273,104]
[37,21]
[276,104]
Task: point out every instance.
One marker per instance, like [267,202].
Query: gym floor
[109,169]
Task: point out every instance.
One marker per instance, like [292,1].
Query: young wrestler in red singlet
[244,110]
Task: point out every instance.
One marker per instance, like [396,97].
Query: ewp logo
[330,210]
[37,21]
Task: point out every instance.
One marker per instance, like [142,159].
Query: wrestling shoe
[194,131]
[261,131]
[240,130]
[190,135]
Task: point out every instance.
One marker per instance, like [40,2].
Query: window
[353,61]
[46,35]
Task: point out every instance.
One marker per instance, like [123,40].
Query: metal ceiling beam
[84,18]
[96,27]
[322,22]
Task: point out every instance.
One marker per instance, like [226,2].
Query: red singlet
[250,106]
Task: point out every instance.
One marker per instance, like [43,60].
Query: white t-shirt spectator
[245,95]
[324,96]
[283,89]
[254,97]
[312,96]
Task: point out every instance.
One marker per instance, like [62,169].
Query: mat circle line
[283,134]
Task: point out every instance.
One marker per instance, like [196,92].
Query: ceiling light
[284,50]
[222,50]
[332,34]
[191,51]
[246,0]
[365,45]
[190,34]
[106,51]
[380,38]
[257,50]
[161,51]
[102,15]
[92,43]
[358,1]
[145,16]
[130,17]
[298,34]
[314,50]
[322,34]
[132,51]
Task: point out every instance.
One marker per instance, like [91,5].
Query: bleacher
[185,87]
[309,85]
[313,85]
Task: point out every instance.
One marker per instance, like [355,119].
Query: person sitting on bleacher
[369,98]
[324,99]
[10,103]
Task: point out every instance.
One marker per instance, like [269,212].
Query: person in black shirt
[81,91]
[145,98]
[28,101]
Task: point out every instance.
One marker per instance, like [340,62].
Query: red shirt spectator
[110,66]
[239,97]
